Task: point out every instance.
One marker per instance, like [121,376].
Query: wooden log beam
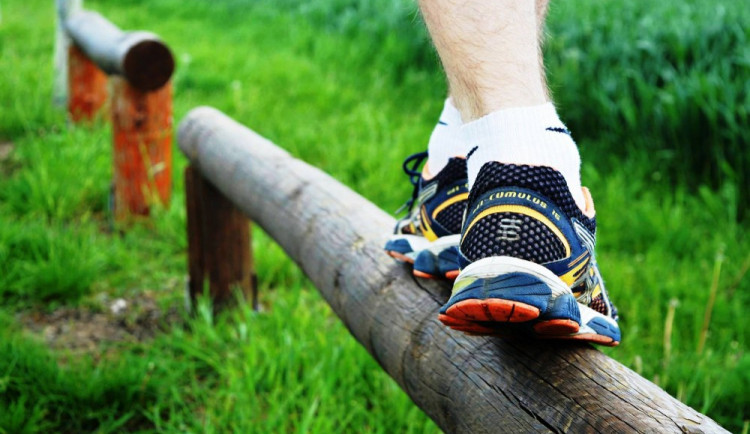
[465,384]
[141,57]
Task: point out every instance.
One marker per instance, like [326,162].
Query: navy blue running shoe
[428,236]
[527,261]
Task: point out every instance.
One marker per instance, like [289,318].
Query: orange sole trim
[399,256]
[496,310]
[545,329]
[466,326]
[452,275]
[549,330]
[423,275]
[590,337]
[556,327]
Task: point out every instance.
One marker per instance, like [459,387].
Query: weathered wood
[62,44]
[142,131]
[141,57]
[218,243]
[87,94]
[465,384]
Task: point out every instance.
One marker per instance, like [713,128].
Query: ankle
[532,136]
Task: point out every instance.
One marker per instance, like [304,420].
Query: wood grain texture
[465,384]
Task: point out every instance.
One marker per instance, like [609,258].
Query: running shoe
[429,234]
[527,261]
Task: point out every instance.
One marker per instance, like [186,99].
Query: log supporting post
[219,244]
[87,87]
[142,131]
[140,66]
[464,383]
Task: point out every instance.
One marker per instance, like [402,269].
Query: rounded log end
[195,121]
[148,64]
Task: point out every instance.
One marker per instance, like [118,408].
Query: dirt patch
[5,149]
[107,320]
[7,163]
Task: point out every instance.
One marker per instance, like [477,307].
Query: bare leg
[445,141]
[490,52]
[522,158]
[542,6]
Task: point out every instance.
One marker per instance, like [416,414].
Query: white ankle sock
[445,141]
[527,135]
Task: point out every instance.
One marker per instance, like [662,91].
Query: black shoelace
[411,168]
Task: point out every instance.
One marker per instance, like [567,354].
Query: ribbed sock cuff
[450,114]
[445,141]
[527,135]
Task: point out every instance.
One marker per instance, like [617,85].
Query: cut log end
[148,64]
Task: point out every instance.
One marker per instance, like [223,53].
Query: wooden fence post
[87,87]
[140,66]
[142,130]
[219,244]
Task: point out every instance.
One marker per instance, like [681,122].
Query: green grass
[354,96]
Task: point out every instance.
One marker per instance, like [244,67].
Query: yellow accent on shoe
[458,286]
[449,202]
[571,276]
[424,224]
[519,209]
[575,261]
[597,290]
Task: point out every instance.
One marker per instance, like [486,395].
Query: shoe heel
[562,318]
[444,263]
[426,265]
[512,297]
[448,262]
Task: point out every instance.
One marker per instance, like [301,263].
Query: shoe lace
[411,168]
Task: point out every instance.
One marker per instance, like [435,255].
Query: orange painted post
[87,87]
[142,130]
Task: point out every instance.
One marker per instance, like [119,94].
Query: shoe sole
[544,328]
[503,289]
[430,259]
[551,330]
[493,310]
[587,337]
[596,329]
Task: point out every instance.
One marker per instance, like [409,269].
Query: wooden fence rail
[141,57]
[465,384]
[131,72]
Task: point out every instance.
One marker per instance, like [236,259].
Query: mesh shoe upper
[527,212]
[438,204]
[546,181]
[428,236]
